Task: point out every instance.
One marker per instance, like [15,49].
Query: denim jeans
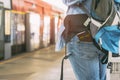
[85,60]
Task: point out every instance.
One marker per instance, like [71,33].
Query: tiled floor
[43,64]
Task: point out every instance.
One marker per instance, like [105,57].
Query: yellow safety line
[19,12]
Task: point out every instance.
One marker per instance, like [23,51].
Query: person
[85,56]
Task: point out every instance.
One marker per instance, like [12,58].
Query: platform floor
[43,64]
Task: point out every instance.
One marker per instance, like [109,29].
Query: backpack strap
[65,57]
[62,64]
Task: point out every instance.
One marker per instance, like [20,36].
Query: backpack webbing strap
[62,64]
[65,57]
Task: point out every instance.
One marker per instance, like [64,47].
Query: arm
[72,2]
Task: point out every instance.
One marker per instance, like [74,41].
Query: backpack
[117,2]
[103,11]
[104,25]
[102,14]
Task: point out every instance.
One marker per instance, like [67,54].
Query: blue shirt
[72,9]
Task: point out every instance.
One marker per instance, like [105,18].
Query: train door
[33,31]
[18,33]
